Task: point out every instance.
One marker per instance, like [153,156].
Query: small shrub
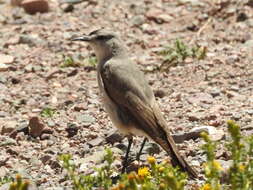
[241,172]
[5,179]
[156,176]
[47,112]
[102,178]
[173,55]
[69,62]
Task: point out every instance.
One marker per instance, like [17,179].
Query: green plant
[212,167]
[5,179]
[88,182]
[157,176]
[19,184]
[69,62]
[177,53]
[241,172]
[47,112]
[92,61]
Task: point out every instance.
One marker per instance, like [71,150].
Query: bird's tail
[166,141]
[176,160]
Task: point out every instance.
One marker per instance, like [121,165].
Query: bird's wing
[126,86]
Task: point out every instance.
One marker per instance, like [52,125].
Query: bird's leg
[142,146]
[130,141]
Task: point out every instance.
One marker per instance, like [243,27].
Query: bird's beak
[82,38]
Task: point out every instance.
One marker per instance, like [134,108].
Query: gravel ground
[191,94]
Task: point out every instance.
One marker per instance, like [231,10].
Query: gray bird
[128,98]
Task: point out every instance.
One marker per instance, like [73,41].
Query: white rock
[6,59]
[214,133]
[3,67]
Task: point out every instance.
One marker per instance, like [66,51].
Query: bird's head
[104,42]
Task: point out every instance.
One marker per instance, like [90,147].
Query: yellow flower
[207,186]
[161,169]
[143,172]
[217,165]
[241,167]
[151,160]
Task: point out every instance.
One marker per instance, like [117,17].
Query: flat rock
[195,116]
[46,158]
[35,6]
[158,16]
[85,119]
[113,137]
[215,92]
[8,127]
[214,133]
[3,67]
[201,98]
[7,141]
[6,59]
[96,142]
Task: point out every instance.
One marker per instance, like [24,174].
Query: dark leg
[142,146]
[130,141]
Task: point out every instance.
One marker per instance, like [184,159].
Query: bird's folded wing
[127,88]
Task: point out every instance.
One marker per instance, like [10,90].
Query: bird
[128,98]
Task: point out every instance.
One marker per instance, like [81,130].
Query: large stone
[36,126]
[35,6]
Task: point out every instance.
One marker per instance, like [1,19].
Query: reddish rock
[35,6]
[36,127]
